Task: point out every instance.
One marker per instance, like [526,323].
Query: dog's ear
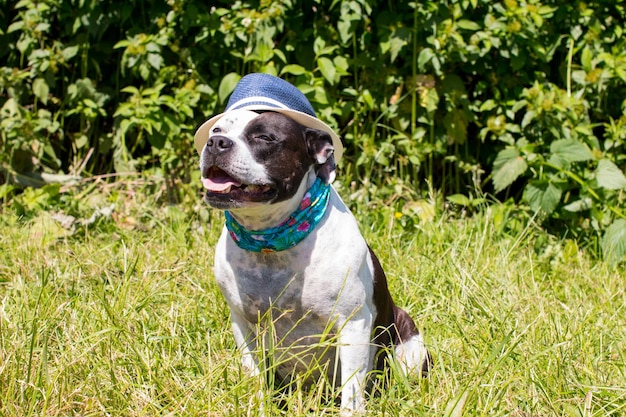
[321,148]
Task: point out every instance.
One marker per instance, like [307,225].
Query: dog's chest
[254,282]
[264,280]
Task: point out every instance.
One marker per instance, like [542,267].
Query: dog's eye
[217,130]
[266,138]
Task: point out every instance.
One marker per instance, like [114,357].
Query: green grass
[122,317]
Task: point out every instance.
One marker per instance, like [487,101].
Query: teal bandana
[290,232]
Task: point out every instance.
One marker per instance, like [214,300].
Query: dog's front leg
[356,356]
[246,342]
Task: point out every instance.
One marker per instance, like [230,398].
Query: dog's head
[253,159]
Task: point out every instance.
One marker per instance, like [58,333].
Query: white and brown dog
[292,251]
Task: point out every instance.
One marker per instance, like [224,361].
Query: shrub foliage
[516,99]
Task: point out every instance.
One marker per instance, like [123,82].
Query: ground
[120,315]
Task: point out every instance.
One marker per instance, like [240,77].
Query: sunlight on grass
[127,320]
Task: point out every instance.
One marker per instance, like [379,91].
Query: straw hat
[265,92]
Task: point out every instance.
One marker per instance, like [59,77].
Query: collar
[290,232]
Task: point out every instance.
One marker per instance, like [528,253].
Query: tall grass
[124,318]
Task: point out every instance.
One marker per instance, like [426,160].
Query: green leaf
[586,57]
[529,116]
[319,46]
[367,98]
[155,60]
[487,105]
[344,27]
[459,200]
[430,100]
[263,53]
[293,69]
[320,95]
[227,85]
[566,151]
[543,196]
[81,141]
[69,52]
[396,44]
[507,167]
[614,242]
[280,54]
[6,190]
[424,57]
[341,65]
[121,44]
[609,175]
[327,68]
[131,90]
[41,89]
[468,25]
[15,26]
[584,203]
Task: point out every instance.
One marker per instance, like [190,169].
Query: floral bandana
[290,232]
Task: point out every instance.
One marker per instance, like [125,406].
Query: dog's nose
[218,144]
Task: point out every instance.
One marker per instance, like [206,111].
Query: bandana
[290,232]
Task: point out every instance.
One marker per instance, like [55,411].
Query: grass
[121,316]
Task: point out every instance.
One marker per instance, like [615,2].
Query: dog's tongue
[221,183]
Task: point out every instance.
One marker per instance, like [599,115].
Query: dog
[291,250]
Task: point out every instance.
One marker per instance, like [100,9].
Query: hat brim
[202,134]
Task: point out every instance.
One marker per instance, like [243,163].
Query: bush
[519,99]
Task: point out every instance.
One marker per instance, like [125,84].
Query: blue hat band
[256,101]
